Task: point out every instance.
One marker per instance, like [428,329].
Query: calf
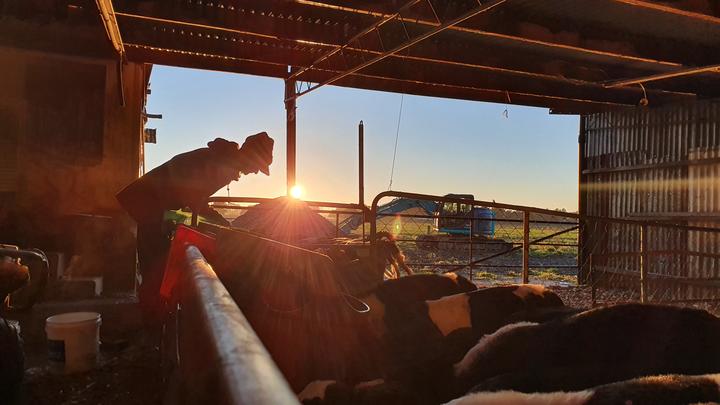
[418,344]
[591,348]
[410,290]
[655,390]
[421,342]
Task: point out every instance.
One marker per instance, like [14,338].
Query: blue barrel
[484,223]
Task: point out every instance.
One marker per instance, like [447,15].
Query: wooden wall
[67,146]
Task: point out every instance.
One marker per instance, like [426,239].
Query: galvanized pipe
[662,76]
[109,20]
[224,359]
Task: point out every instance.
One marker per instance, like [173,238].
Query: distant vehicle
[455,218]
[455,222]
[452,224]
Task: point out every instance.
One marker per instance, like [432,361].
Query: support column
[290,107]
[361,175]
[584,247]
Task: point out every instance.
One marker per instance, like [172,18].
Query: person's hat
[258,149]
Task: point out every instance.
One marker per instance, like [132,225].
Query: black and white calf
[411,290]
[595,347]
[655,390]
[421,342]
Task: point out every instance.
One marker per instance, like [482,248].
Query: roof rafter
[513,38]
[671,10]
[150,54]
[396,55]
[480,8]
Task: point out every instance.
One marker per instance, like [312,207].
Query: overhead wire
[397,135]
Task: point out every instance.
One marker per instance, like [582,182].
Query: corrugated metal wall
[656,164]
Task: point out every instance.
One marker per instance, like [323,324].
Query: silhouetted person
[186,180]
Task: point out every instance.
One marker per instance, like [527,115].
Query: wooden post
[290,108]
[526,248]
[643,263]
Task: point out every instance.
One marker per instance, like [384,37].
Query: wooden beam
[311,23]
[302,20]
[484,7]
[192,37]
[664,8]
[175,57]
[498,33]
[198,60]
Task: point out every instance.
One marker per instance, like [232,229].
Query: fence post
[526,248]
[643,263]
[472,226]
[591,278]
[337,225]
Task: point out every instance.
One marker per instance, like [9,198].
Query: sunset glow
[296,192]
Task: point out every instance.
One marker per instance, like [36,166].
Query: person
[185,181]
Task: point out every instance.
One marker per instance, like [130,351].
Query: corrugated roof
[559,54]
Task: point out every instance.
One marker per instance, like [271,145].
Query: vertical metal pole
[593,292]
[583,269]
[194,218]
[361,165]
[337,225]
[526,248]
[472,226]
[643,263]
[290,107]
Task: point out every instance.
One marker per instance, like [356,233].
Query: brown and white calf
[594,347]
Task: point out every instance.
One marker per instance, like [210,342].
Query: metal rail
[257,200]
[222,361]
[663,76]
[522,241]
[526,242]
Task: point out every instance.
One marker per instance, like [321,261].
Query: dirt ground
[125,376]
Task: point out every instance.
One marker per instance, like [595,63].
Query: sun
[296,191]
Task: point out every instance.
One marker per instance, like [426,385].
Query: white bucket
[73,341]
